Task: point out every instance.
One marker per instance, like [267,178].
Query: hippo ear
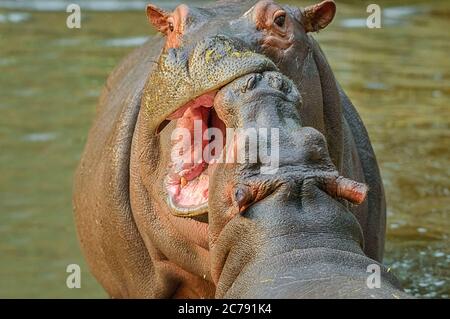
[158,18]
[318,16]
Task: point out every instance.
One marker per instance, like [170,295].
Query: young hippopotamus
[292,218]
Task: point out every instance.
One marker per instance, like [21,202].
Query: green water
[50,78]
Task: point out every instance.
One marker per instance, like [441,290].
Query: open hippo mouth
[187,181]
[183,90]
[199,139]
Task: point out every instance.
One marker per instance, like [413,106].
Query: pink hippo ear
[318,16]
[159,18]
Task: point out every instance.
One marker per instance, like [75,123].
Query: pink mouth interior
[188,181]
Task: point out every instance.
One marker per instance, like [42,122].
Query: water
[50,78]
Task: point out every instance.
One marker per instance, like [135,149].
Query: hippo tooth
[183,181]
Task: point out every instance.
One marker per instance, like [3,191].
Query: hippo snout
[271,102]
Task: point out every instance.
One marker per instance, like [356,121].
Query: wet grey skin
[308,231]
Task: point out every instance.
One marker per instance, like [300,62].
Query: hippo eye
[280,19]
[170,24]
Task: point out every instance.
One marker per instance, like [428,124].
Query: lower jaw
[199,212]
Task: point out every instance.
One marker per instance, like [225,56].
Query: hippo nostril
[287,88]
[275,81]
[251,83]
[242,197]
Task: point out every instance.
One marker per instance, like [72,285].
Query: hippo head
[205,50]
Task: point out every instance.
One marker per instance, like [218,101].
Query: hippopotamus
[153,224]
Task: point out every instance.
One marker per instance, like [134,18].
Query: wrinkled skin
[150,230]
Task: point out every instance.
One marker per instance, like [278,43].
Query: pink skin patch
[188,180]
